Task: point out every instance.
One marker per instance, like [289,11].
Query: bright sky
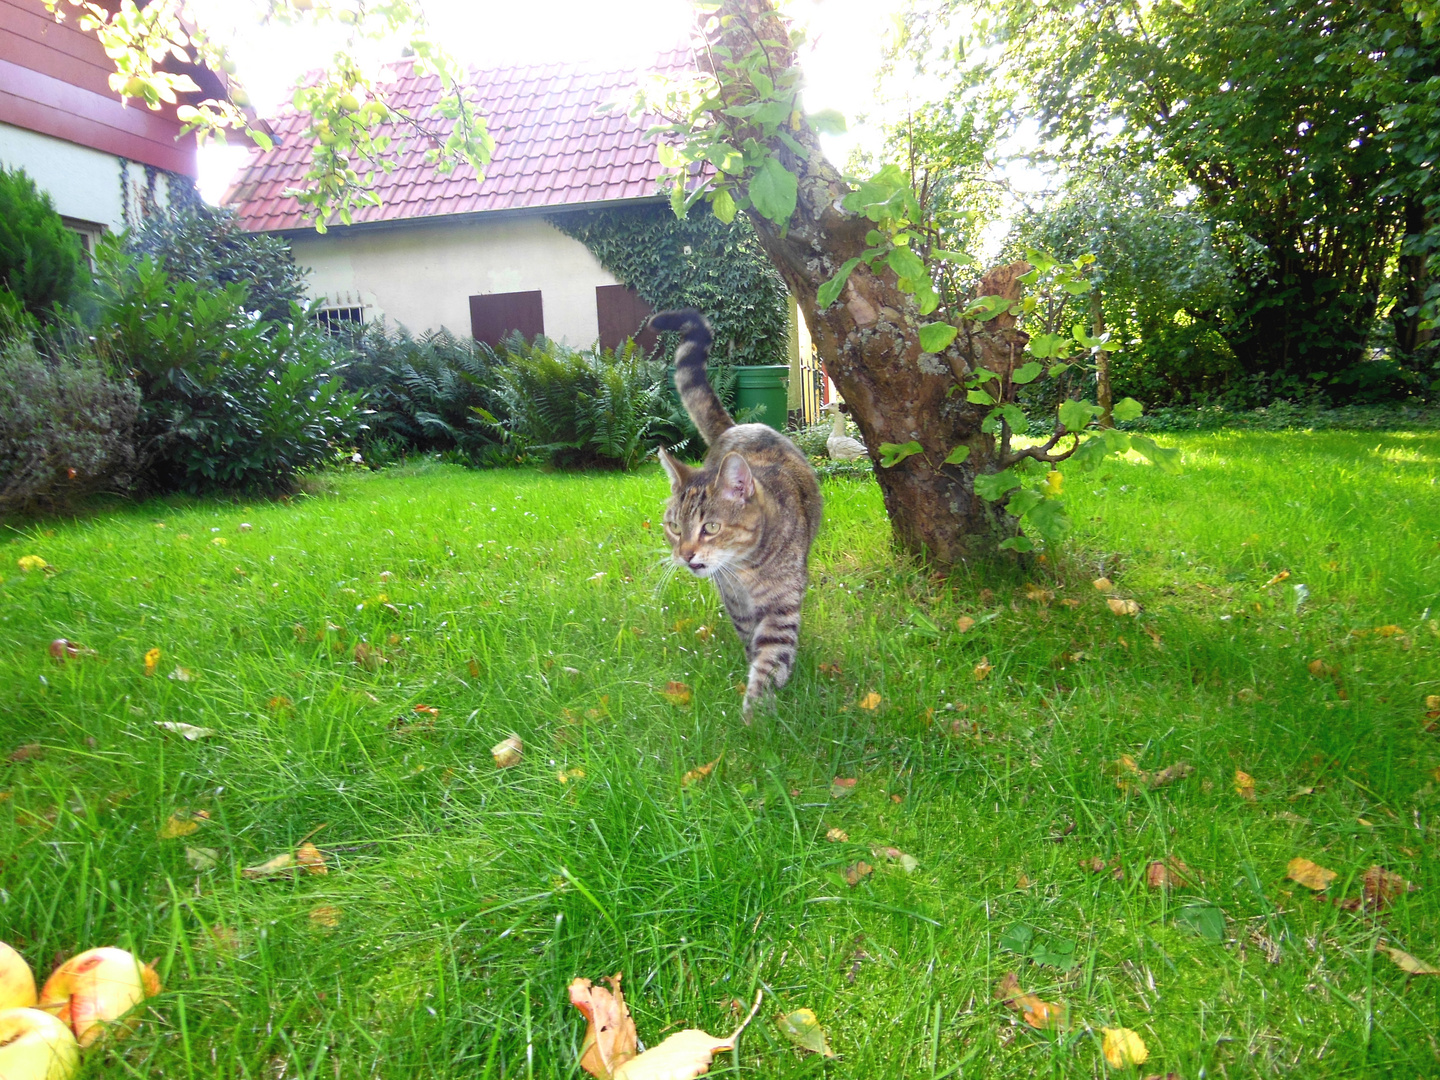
[847,38]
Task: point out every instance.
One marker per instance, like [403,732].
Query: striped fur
[745,518]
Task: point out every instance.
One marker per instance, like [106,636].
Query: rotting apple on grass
[89,992]
[36,1046]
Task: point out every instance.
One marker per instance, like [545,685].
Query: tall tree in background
[1259,105]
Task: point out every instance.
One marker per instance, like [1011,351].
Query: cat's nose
[696,563]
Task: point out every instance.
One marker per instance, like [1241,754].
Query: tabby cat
[745,518]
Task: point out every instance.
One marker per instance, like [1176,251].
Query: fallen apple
[89,992]
[17,984]
[36,1046]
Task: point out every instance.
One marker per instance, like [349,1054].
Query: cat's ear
[679,472]
[735,481]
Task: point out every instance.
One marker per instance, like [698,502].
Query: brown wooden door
[495,316]
[621,313]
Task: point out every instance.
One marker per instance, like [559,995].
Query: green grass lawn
[465,897]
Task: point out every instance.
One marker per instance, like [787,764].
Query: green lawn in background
[464,897]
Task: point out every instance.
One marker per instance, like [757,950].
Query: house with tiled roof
[106,165]
[477,256]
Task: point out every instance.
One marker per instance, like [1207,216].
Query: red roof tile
[553,147]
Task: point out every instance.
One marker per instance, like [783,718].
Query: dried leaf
[1411,964]
[181,823]
[704,633]
[1281,576]
[325,915]
[1389,631]
[870,701]
[28,752]
[964,624]
[182,674]
[1023,881]
[1039,1014]
[837,836]
[369,657]
[1245,785]
[570,774]
[1320,669]
[677,693]
[202,858]
[682,1056]
[983,669]
[853,873]
[1122,607]
[1379,887]
[1167,874]
[833,670]
[189,731]
[698,773]
[311,858]
[610,1037]
[1311,875]
[802,1027]
[842,786]
[152,661]
[280,703]
[1122,1048]
[1102,584]
[282,865]
[1038,593]
[508,753]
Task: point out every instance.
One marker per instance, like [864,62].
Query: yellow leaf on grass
[189,731]
[181,823]
[1038,593]
[684,1055]
[1414,965]
[802,1027]
[1281,576]
[1389,631]
[152,661]
[202,858]
[698,773]
[853,873]
[311,858]
[870,701]
[28,563]
[677,693]
[1103,584]
[837,836]
[1054,482]
[1311,875]
[1122,607]
[1122,1047]
[1039,1014]
[508,753]
[964,623]
[1432,702]
[282,865]
[1244,785]
[325,915]
[983,669]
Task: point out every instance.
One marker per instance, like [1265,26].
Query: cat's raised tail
[696,393]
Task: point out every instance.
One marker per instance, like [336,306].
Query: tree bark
[869,339]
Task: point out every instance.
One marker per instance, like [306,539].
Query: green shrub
[582,408]
[436,393]
[66,426]
[40,260]
[229,401]
[206,245]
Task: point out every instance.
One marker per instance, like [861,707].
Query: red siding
[54,79]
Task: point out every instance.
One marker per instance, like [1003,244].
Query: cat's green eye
[711,528]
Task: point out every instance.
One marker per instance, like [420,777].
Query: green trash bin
[763,384]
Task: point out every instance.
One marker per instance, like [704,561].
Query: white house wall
[421,276]
[84,184]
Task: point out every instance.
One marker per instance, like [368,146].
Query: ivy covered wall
[699,262]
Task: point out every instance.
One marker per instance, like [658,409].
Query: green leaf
[1207,920]
[828,121]
[677,198]
[762,83]
[1127,409]
[1023,501]
[1049,519]
[1045,346]
[985,308]
[952,256]
[1016,543]
[1089,454]
[907,264]
[993,486]
[927,299]
[1017,939]
[979,397]
[1015,417]
[1075,415]
[936,336]
[829,291]
[1165,458]
[723,205]
[1026,373]
[891,454]
[1056,952]
[958,455]
[773,190]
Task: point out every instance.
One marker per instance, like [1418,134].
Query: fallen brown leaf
[1379,887]
[853,873]
[1169,874]
[964,624]
[1102,584]
[1039,1014]
[1411,964]
[326,915]
[983,669]
[369,657]
[508,753]
[870,701]
[677,693]
[1311,875]
[1320,669]
[311,858]
[698,773]
[833,670]
[842,786]
[1038,593]
[610,1038]
[28,752]
[1122,607]
[1281,576]
[1245,785]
